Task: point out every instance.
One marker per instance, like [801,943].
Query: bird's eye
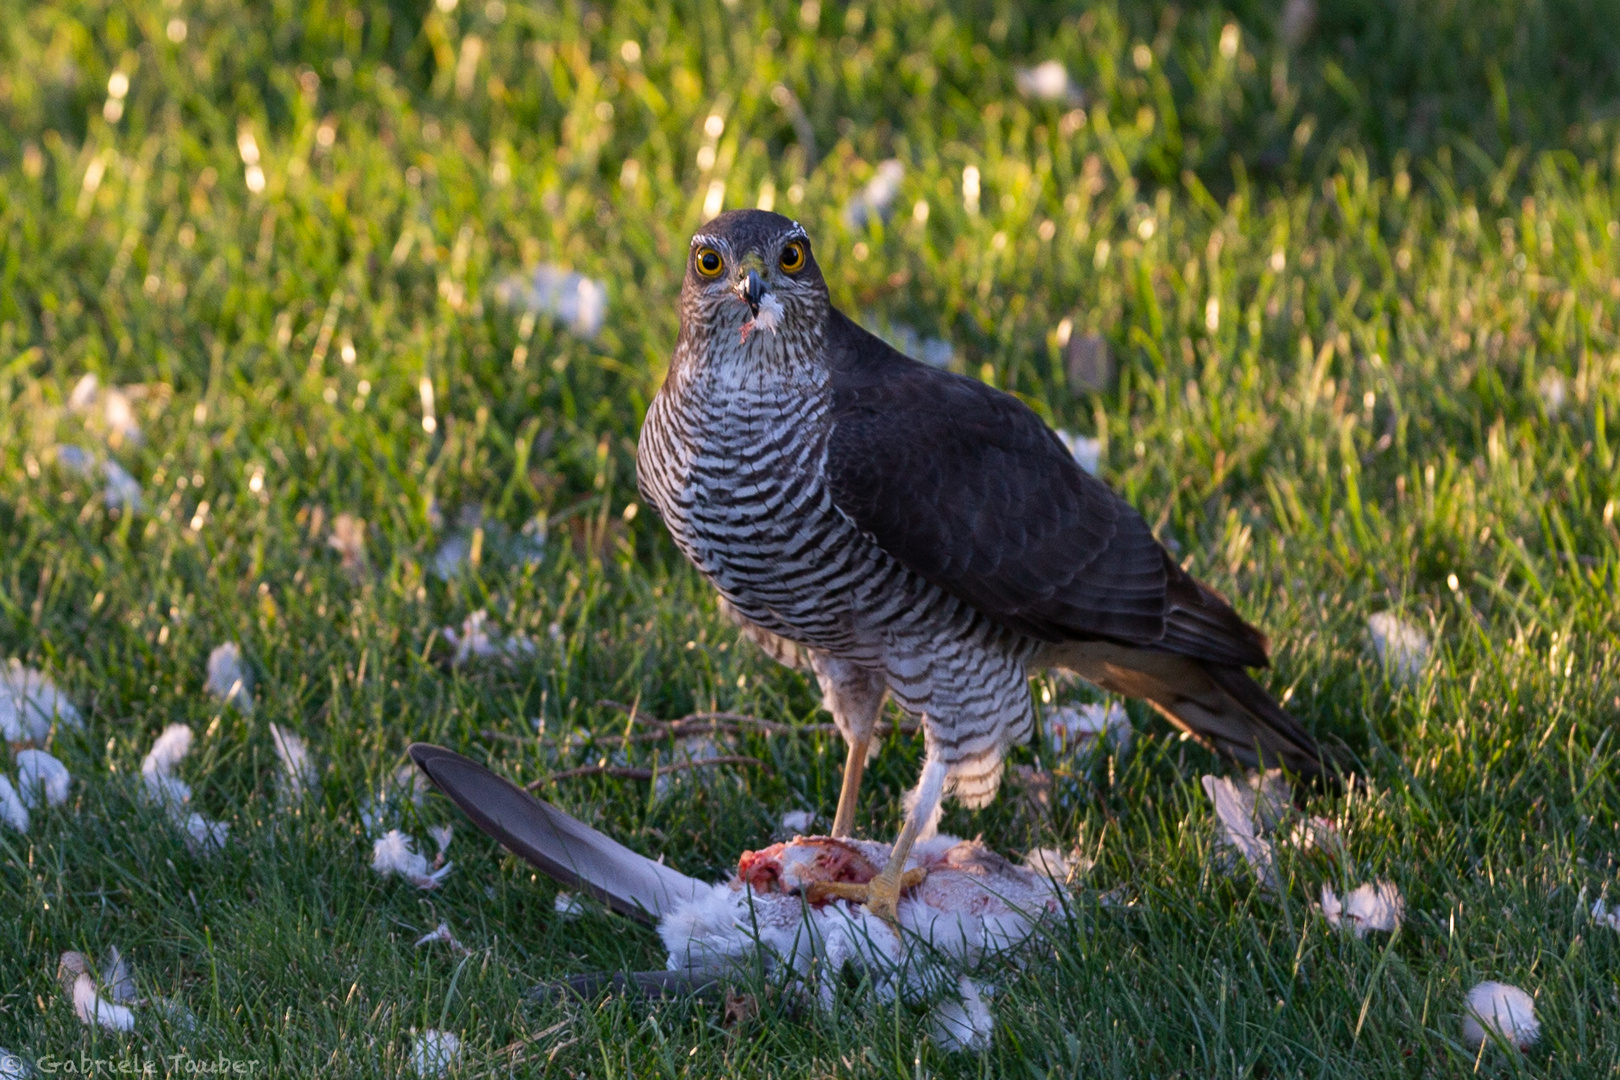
[709,263]
[793,257]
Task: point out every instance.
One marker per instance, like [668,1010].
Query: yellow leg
[854,768]
[882,893]
[848,890]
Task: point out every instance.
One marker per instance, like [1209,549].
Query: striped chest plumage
[736,468]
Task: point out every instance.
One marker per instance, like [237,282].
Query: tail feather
[1218,704]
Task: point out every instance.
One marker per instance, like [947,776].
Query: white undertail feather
[926,802]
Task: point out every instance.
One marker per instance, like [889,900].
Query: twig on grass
[705,723]
[636,772]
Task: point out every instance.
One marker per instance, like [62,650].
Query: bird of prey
[915,534]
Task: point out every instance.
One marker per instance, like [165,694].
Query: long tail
[1218,704]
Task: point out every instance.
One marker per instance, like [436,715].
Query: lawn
[1355,269]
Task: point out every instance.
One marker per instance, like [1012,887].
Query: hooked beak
[751,290]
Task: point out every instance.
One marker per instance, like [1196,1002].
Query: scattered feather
[228,679]
[297,770]
[42,778]
[117,977]
[30,703]
[962,1024]
[407,784]
[121,491]
[690,748]
[1085,450]
[876,199]
[1049,81]
[1378,906]
[13,811]
[1319,834]
[203,836]
[1082,729]
[110,410]
[73,972]
[451,556]
[1499,1009]
[1402,649]
[1246,813]
[395,853]
[1298,20]
[348,539]
[435,1052]
[576,301]
[157,768]
[1604,915]
[441,935]
[1554,391]
[798,822]
[567,906]
[476,641]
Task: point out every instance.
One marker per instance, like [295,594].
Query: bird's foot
[881,895]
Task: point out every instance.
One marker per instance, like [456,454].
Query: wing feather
[968,488]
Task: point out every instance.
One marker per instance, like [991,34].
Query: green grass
[1336,280]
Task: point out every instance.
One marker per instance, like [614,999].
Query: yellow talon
[881,895]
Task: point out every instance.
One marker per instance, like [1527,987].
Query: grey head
[753,292]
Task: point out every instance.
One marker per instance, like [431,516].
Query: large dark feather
[563,848]
[968,488]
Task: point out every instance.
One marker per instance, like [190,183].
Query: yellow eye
[793,257]
[709,263]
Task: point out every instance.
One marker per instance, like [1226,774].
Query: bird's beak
[751,290]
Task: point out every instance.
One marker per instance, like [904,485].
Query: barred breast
[737,473]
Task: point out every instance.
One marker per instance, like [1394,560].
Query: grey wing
[565,849]
[968,488]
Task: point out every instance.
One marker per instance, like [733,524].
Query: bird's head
[753,289]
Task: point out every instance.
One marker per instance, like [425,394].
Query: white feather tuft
[12,810]
[297,770]
[1505,1011]
[42,779]
[157,768]
[435,1052]
[228,679]
[203,836]
[29,703]
[1377,906]
[395,853]
[963,1024]
[1401,647]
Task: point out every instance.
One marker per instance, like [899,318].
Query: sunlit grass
[1361,295]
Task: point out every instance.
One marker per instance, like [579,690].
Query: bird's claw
[881,895]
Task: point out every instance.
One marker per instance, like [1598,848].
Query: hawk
[915,534]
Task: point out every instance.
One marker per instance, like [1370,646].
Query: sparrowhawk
[913,533]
